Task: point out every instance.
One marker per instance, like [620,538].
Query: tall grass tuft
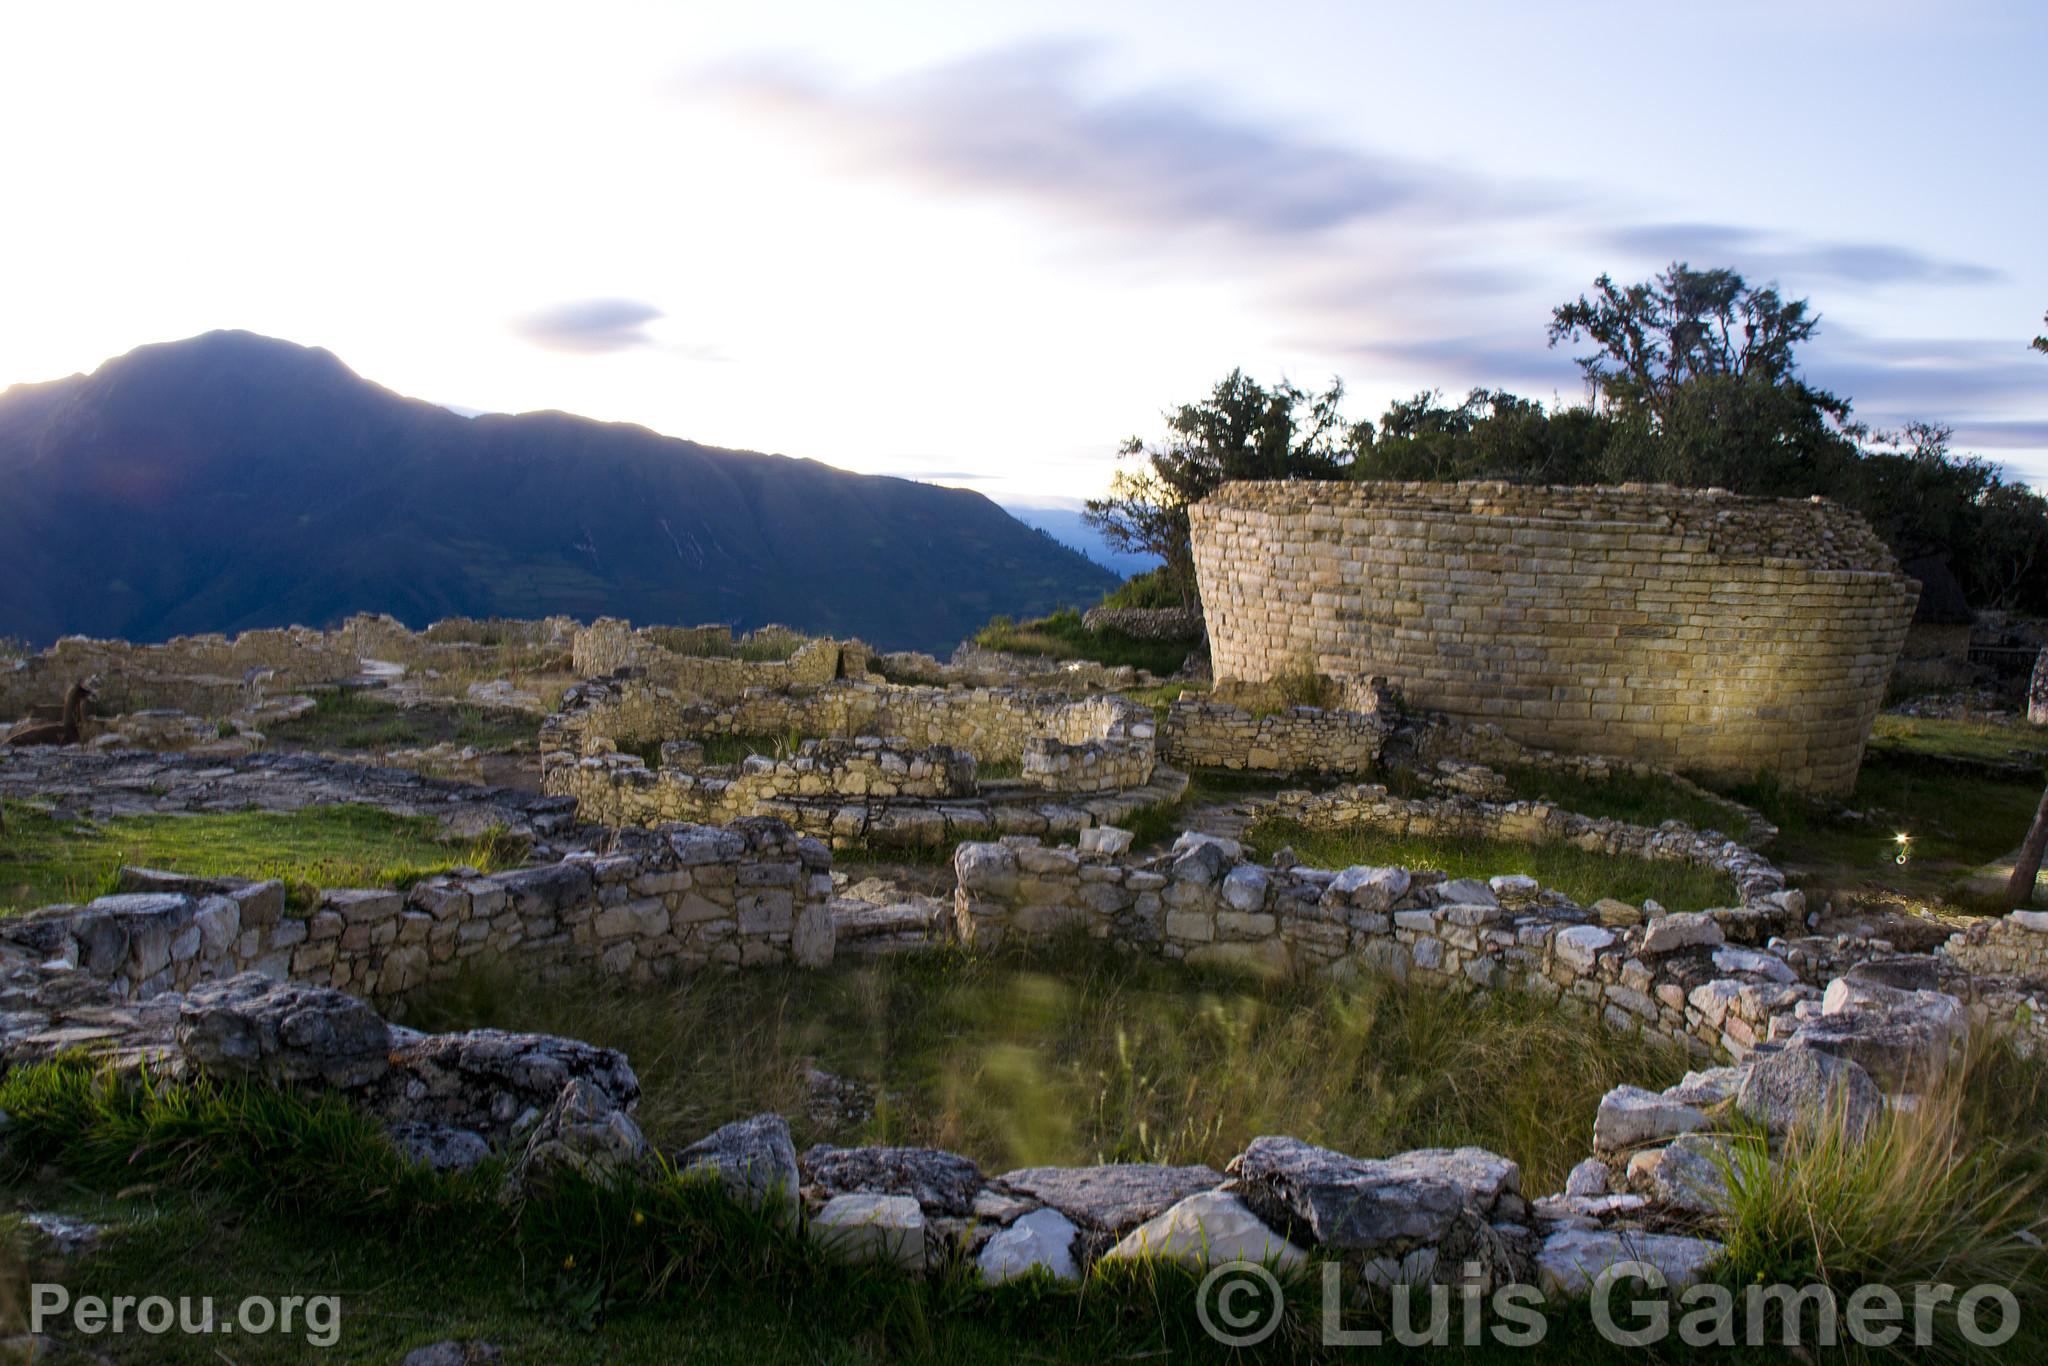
[1950,1192]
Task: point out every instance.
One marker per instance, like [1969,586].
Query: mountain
[233,480]
[1060,518]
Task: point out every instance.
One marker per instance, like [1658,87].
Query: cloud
[1021,121]
[1759,256]
[1418,271]
[590,326]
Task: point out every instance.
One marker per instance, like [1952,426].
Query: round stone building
[1695,629]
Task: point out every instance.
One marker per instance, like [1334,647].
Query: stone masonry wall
[608,645]
[1371,807]
[684,897]
[2013,945]
[1204,734]
[2037,692]
[1676,976]
[992,724]
[1699,630]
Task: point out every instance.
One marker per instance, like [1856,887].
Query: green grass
[650,1269]
[1063,636]
[1152,589]
[220,1190]
[1952,1191]
[1076,1055]
[350,718]
[45,860]
[1638,798]
[1582,876]
[1996,742]
[1958,821]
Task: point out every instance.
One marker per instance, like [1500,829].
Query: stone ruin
[872,762]
[1697,630]
[197,976]
[211,978]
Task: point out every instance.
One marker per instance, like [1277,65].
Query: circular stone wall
[1695,629]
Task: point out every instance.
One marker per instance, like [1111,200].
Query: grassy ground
[1995,742]
[1063,636]
[1956,819]
[349,718]
[216,1190]
[1639,799]
[46,860]
[1582,876]
[1078,1055]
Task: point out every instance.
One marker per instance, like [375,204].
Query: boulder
[1670,933]
[1690,1176]
[1587,1180]
[586,1132]
[1042,1240]
[252,1027]
[440,1146]
[753,1159]
[1111,1198]
[941,1183]
[859,1227]
[1374,890]
[1210,1229]
[1353,1203]
[1796,1087]
[1571,1259]
[493,1080]
[1630,1117]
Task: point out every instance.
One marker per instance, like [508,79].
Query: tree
[1700,371]
[2020,890]
[2041,343]
[1242,430]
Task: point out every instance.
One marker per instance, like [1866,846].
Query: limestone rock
[753,1159]
[490,1080]
[860,1227]
[1040,1240]
[940,1182]
[1590,1178]
[1210,1229]
[1630,1117]
[1352,1203]
[584,1131]
[1570,1260]
[1798,1087]
[1112,1198]
[1670,933]
[454,1352]
[249,1026]
[440,1146]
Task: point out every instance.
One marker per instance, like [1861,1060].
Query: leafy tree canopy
[1693,379]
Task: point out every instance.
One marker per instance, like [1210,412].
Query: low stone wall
[663,654]
[1147,623]
[1062,744]
[683,897]
[2013,945]
[1372,807]
[214,675]
[620,790]
[1205,734]
[1676,976]
[992,724]
[2037,691]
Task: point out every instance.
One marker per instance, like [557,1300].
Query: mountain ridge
[232,480]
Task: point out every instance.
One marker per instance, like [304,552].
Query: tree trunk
[2021,889]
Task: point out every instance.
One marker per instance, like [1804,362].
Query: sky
[980,244]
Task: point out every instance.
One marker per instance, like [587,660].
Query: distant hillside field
[232,481]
